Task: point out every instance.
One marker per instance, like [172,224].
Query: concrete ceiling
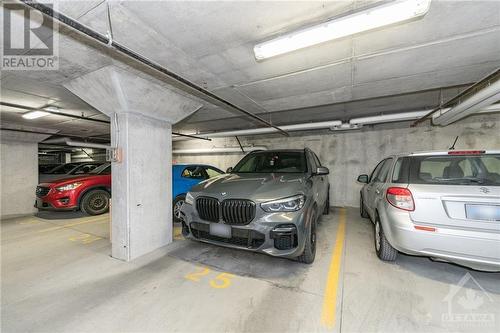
[409,66]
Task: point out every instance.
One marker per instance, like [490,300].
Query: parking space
[61,274]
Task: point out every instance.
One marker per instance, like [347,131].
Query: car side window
[376,171]
[384,171]
[211,172]
[194,172]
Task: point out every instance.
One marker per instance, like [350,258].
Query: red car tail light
[400,198]
[466,152]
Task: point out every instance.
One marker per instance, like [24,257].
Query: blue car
[185,176]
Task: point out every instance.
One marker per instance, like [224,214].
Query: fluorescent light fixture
[52,109]
[376,17]
[35,114]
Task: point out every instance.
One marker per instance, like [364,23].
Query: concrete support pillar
[18,169]
[141,185]
[142,113]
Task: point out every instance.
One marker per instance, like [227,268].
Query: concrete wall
[19,177]
[349,154]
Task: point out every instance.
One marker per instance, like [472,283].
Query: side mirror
[320,171]
[363,179]
[229,170]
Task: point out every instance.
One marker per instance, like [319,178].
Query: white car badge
[223,194]
[484,190]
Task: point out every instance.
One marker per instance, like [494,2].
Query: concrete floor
[57,276]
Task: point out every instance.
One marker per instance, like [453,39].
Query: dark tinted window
[266,162]
[64,168]
[195,172]
[102,169]
[456,170]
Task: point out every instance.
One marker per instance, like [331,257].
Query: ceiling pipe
[267,130]
[480,100]
[72,143]
[217,150]
[108,40]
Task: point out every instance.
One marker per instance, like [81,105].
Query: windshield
[268,162]
[456,170]
[103,169]
[63,168]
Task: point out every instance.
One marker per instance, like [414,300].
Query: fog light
[285,236]
[64,201]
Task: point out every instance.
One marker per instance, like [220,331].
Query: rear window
[456,170]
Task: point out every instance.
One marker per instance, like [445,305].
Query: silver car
[270,202]
[444,205]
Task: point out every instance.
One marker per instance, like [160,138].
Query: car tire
[326,210]
[307,257]
[95,202]
[362,210]
[176,208]
[384,249]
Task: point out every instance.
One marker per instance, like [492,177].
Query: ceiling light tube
[387,118]
[369,19]
[35,114]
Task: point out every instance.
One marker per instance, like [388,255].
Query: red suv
[89,193]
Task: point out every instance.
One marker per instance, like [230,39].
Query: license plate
[220,230]
[482,212]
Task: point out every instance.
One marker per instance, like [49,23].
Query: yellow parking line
[100,220]
[332,283]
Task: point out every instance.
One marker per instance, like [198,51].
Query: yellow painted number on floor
[197,275]
[221,281]
[84,239]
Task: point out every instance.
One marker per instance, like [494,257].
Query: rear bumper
[475,249]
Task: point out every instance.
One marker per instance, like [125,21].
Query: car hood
[68,179]
[256,187]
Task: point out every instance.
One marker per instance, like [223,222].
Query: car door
[373,188]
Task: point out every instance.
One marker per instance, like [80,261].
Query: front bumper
[55,200]
[471,248]
[276,234]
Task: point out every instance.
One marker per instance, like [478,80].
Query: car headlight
[290,204]
[189,199]
[68,187]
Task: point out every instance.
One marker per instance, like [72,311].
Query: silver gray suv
[269,202]
[444,205]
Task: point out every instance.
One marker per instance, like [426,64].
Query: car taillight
[401,198]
